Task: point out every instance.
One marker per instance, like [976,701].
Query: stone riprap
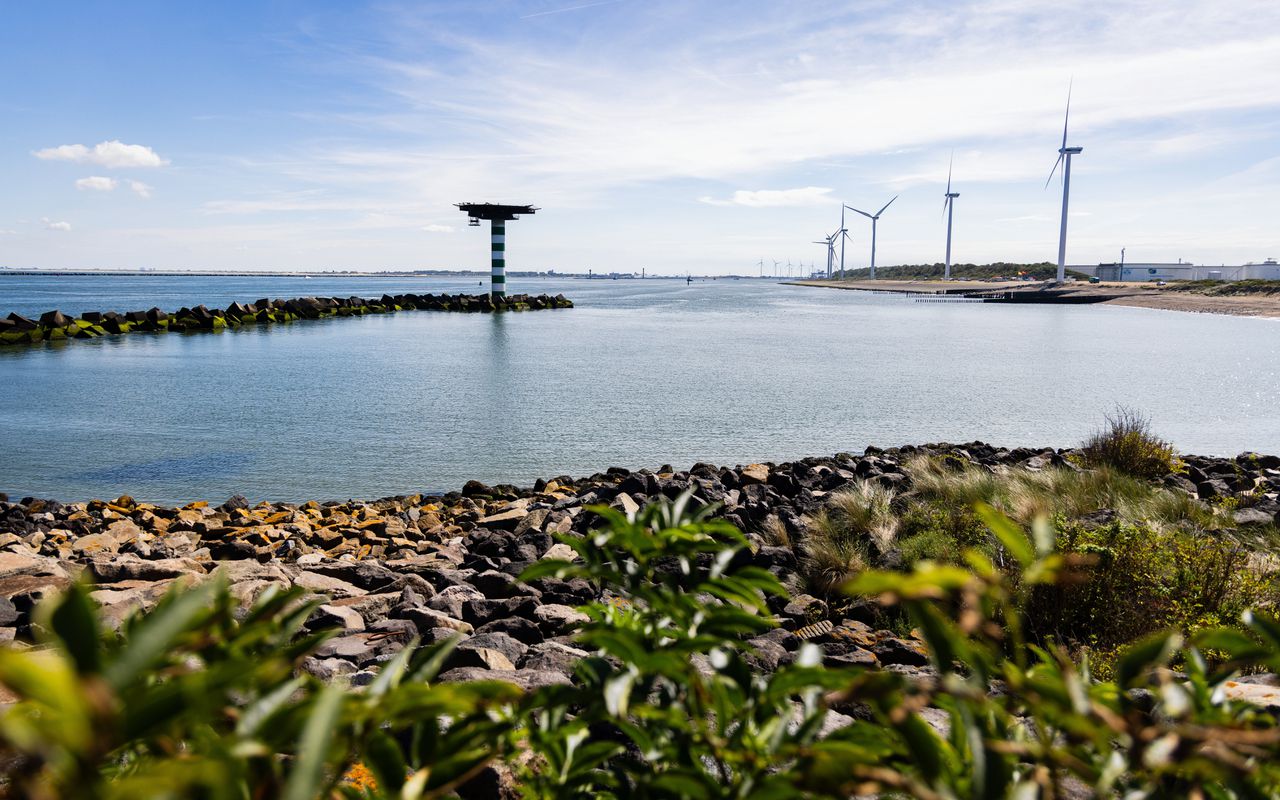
[438,566]
[57,326]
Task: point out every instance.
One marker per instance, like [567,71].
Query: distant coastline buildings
[1268,270]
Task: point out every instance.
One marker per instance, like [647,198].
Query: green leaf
[617,693]
[308,774]
[74,623]
[1153,651]
[392,671]
[383,757]
[261,710]
[1007,531]
[152,639]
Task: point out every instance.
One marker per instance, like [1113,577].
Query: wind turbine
[776,262]
[830,242]
[1064,157]
[874,218]
[844,234]
[948,205]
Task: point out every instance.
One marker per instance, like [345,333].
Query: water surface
[640,374]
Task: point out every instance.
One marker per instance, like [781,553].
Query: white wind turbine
[830,242]
[874,218]
[948,205]
[1064,157]
[844,235]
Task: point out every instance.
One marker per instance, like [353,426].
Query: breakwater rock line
[57,326]
[437,566]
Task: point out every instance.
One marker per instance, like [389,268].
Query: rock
[452,599]
[1213,488]
[553,657]
[555,619]
[804,609]
[753,473]
[8,612]
[12,564]
[518,628]
[560,552]
[855,657]
[481,657]
[478,612]
[494,584]
[359,648]
[767,655]
[1253,516]
[510,647]
[129,567]
[427,619]
[328,669]
[323,584]
[505,521]
[891,650]
[330,616]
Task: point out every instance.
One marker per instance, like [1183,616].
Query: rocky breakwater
[438,566]
[57,326]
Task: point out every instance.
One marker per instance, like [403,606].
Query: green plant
[1127,444]
[677,709]
[841,538]
[190,701]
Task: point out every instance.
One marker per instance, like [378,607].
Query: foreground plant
[191,701]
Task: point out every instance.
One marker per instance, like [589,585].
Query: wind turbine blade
[1055,169]
[1067,117]
[886,205]
[946,200]
[950,164]
[860,211]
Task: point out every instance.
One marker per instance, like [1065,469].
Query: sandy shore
[1119,294]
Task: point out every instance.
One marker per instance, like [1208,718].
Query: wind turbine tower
[874,219]
[948,205]
[1064,158]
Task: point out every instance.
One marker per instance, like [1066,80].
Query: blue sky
[671,136]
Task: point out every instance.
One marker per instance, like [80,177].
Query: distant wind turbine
[874,218]
[948,205]
[1064,157]
[830,242]
[776,262]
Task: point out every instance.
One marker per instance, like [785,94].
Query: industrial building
[1182,271]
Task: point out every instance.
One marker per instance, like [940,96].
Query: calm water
[639,374]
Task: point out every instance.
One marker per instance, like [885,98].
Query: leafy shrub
[1127,444]
[191,702]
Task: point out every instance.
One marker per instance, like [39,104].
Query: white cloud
[50,225]
[97,183]
[438,228]
[113,155]
[140,189]
[775,198]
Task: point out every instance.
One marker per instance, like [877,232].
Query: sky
[666,136]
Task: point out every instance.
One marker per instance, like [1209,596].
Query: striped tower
[498,277]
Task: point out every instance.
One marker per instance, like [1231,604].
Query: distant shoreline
[1163,298]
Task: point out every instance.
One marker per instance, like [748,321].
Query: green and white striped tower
[498,276]
[497,215]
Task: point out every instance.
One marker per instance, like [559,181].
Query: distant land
[443,273]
